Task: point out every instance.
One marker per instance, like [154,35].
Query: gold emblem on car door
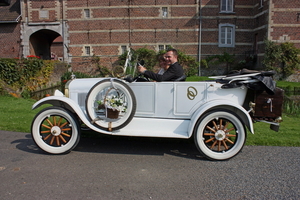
[191,93]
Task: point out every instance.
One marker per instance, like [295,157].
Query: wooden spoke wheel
[219,135]
[55,130]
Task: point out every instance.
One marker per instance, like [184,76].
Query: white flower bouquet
[113,102]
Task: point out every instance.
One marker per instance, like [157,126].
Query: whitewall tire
[219,135]
[55,130]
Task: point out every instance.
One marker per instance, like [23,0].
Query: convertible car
[215,113]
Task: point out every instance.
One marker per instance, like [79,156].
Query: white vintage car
[215,113]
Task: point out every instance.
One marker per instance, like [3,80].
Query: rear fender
[69,104]
[219,105]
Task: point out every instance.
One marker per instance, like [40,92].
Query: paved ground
[143,168]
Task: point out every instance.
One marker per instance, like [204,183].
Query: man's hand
[141,69]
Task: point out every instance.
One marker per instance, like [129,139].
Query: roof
[11,13]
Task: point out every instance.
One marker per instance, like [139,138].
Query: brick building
[76,30]
[10,29]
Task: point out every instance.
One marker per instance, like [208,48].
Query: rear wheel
[55,130]
[219,135]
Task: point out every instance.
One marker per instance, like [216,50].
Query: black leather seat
[181,78]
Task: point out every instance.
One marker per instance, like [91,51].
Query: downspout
[200,27]
[129,23]
[270,21]
[62,29]
[66,50]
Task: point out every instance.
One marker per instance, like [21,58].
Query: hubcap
[55,130]
[220,135]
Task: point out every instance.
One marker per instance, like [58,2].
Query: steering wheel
[140,77]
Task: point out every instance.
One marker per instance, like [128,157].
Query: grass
[288,84]
[16,114]
[288,134]
[198,78]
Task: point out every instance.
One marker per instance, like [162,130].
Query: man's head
[171,56]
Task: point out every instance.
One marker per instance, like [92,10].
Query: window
[226,35]
[87,13]
[163,47]
[226,5]
[87,50]
[123,49]
[164,12]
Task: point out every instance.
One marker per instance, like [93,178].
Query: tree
[224,58]
[149,57]
[289,58]
[189,64]
[283,58]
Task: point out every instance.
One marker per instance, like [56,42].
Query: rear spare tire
[102,92]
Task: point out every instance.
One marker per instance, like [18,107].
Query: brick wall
[10,40]
[116,23]
[285,21]
[108,28]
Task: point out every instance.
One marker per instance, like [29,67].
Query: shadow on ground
[101,143]
[93,142]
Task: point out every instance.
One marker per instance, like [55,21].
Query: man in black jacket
[173,73]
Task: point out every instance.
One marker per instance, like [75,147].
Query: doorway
[40,44]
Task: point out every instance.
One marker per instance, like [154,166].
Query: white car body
[163,109]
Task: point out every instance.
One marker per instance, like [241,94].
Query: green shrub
[283,58]
[25,75]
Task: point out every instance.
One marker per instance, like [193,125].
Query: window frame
[163,47]
[87,48]
[87,13]
[232,37]
[165,12]
[227,9]
[123,49]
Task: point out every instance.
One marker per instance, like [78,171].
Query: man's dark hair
[175,53]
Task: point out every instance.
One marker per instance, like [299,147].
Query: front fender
[56,101]
[69,104]
[221,104]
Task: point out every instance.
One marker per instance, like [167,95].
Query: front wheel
[219,135]
[55,130]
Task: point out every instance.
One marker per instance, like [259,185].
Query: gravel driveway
[144,168]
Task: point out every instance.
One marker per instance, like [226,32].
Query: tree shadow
[28,145]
